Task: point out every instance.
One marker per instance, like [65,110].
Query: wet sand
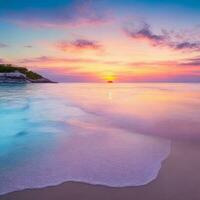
[178,179]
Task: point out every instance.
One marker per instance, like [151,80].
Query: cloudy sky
[100,40]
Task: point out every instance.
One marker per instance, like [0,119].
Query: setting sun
[109,77]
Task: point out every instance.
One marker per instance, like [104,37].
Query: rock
[12,74]
[13,77]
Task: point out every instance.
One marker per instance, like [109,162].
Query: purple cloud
[79,44]
[2,45]
[145,33]
[187,45]
[28,46]
[82,44]
[165,39]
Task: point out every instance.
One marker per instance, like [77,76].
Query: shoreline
[176,181]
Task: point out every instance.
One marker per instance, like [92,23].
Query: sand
[178,179]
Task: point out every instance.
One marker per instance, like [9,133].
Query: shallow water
[110,134]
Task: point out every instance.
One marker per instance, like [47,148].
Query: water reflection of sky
[101,134]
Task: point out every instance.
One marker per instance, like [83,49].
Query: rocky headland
[14,74]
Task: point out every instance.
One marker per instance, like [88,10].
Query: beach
[177,180]
[102,146]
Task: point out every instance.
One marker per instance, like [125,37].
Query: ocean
[109,134]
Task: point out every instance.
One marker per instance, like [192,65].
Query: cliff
[13,74]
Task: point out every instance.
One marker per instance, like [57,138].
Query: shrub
[8,68]
[33,75]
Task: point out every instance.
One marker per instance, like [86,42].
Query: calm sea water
[109,134]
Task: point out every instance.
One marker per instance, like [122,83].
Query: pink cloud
[48,59]
[2,61]
[78,45]
[68,74]
[185,70]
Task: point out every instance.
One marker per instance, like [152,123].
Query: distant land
[14,74]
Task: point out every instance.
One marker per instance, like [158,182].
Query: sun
[109,77]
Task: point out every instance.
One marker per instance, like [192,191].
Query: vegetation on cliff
[8,68]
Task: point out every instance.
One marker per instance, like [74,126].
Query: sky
[103,40]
